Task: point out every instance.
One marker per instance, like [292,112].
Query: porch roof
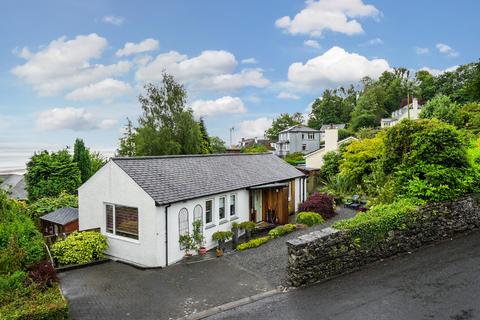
[270,186]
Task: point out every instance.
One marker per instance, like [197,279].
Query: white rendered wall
[315,160]
[112,185]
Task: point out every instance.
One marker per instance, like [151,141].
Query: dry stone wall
[323,254]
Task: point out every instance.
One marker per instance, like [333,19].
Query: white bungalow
[144,204]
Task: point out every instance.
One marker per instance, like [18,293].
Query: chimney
[331,138]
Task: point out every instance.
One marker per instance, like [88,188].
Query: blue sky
[66,71]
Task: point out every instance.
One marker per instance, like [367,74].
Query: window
[304,147]
[183,222]
[311,135]
[208,211]
[122,221]
[233,204]
[221,208]
[303,136]
[109,214]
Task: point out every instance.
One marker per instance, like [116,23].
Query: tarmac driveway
[118,291]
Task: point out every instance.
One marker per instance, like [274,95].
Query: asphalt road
[435,282]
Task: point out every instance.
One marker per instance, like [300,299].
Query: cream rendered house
[409,111]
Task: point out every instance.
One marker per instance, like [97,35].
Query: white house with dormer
[409,111]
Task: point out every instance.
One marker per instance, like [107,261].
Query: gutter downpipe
[166,234]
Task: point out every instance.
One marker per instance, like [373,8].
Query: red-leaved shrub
[43,274]
[321,203]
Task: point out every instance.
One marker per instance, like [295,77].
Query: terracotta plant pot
[219,252]
[202,251]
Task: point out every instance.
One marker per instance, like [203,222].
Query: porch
[272,204]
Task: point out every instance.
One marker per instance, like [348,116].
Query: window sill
[232,218]
[223,221]
[112,236]
[209,226]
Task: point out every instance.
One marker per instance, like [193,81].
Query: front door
[257,205]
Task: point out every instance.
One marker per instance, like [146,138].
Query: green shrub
[222,235]
[280,231]
[253,243]
[247,225]
[13,286]
[368,227]
[310,218]
[39,305]
[80,247]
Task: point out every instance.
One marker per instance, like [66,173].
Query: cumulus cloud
[131,48]
[250,61]
[106,90]
[211,70]
[311,43]
[287,96]
[76,119]
[333,68]
[420,50]
[113,20]
[437,72]
[446,49]
[224,105]
[66,64]
[253,128]
[334,15]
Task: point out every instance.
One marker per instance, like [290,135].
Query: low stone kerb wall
[323,254]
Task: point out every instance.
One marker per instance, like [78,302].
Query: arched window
[198,213]
[183,222]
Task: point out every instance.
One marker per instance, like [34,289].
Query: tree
[217,145]
[331,165]
[127,142]
[81,156]
[441,107]
[283,122]
[364,121]
[256,148]
[427,86]
[335,106]
[206,147]
[166,125]
[97,160]
[48,174]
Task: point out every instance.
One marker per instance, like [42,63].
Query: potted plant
[235,230]
[198,237]
[221,237]
[187,243]
[248,226]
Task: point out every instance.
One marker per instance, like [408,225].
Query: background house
[297,138]
[314,160]
[144,204]
[250,142]
[14,184]
[408,111]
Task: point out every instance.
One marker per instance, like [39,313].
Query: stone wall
[323,254]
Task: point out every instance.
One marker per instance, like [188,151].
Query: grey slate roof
[169,179]
[61,216]
[299,128]
[14,184]
[337,126]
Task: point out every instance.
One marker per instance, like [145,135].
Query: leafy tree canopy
[283,122]
[217,145]
[81,155]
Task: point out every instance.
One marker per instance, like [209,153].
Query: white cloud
[446,49]
[374,42]
[224,105]
[311,43]
[65,64]
[334,15]
[287,96]
[333,68]
[420,50]
[77,119]
[211,70]
[114,20]
[107,90]
[253,128]
[250,61]
[131,48]
[437,72]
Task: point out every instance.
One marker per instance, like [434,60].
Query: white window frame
[224,208]
[311,136]
[230,205]
[211,223]
[114,222]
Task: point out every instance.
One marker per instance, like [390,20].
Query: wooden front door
[276,200]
